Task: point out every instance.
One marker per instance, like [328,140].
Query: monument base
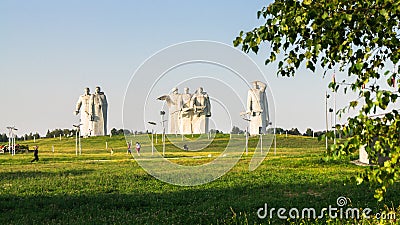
[200,124]
[256,125]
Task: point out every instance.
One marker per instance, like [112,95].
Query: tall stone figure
[186,113]
[83,106]
[200,103]
[257,108]
[173,103]
[98,113]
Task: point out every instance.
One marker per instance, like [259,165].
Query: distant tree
[236,130]
[280,130]
[277,130]
[66,132]
[36,135]
[215,131]
[319,133]
[114,131]
[294,131]
[127,132]
[308,132]
[58,132]
[3,138]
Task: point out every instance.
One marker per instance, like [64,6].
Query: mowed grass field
[98,187]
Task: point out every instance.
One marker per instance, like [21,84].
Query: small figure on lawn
[129,148]
[138,148]
[35,154]
[185,147]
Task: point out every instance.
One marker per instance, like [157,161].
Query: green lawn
[99,188]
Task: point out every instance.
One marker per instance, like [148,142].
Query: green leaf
[359,66]
[298,19]
[353,104]
[325,15]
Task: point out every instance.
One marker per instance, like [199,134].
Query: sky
[51,50]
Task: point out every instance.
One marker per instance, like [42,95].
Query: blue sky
[51,50]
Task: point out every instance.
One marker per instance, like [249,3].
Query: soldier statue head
[255,84]
[87,91]
[186,90]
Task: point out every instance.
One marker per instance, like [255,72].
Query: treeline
[114,131]
[3,138]
[62,132]
[31,136]
[294,131]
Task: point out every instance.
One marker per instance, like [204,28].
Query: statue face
[87,91]
[186,90]
[97,89]
[175,90]
[255,85]
[200,90]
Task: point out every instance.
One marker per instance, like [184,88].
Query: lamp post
[270,123]
[78,145]
[326,119]
[334,114]
[11,139]
[162,113]
[152,134]
[244,117]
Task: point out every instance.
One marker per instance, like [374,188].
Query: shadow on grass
[42,174]
[185,205]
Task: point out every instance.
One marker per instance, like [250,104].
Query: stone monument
[98,113]
[173,103]
[83,107]
[186,113]
[200,103]
[257,108]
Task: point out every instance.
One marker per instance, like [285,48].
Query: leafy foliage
[360,37]
[236,130]
[58,132]
[3,138]
[114,131]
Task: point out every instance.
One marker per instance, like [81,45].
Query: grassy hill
[98,187]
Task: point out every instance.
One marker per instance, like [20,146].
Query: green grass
[99,188]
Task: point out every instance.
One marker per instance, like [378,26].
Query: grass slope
[99,188]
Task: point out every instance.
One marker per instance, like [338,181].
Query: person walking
[35,154]
[138,148]
[129,148]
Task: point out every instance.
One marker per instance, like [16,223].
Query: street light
[78,139]
[11,139]
[247,131]
[326,119]
[152,131]
[270,123]
[162,113]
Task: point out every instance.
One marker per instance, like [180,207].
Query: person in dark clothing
[35,154]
